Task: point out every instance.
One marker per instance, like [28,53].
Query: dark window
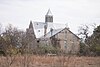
[38,30]
[38,41]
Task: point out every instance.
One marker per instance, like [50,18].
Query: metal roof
[39,28]
[52,33]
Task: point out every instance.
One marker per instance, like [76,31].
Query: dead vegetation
[49,61]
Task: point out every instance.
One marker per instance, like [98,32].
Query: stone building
[31,38]
[63,39]
[57,35]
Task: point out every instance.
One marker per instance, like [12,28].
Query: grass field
[49,61]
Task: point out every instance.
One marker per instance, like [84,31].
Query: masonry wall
[67,41]
[31,39]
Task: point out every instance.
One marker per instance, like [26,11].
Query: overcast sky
[73,12]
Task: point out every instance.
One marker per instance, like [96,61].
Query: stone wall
[68,41]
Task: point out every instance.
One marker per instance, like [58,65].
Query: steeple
[30,30]
[30,25]
[48,16]
[49,13]
[31,38]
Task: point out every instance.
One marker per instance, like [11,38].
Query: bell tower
[49,17]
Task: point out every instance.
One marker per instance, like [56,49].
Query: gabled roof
[73,34]
[39,28]
[56,31]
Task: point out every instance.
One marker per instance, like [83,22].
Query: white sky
[74,12]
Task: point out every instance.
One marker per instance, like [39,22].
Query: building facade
[61,38]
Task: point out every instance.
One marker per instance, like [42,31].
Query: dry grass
[49,61]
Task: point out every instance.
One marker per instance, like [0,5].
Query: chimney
[45,29]
[51,30]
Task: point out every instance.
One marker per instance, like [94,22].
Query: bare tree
[88,45]
[83,31]
[12,38]
[0,28]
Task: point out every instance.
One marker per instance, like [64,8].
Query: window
[38,41]
[65,44]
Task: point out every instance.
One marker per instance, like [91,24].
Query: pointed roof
[30,25]
[49,13]
[56,31]
[30,30]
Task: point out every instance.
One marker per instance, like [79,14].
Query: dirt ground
[49,61]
